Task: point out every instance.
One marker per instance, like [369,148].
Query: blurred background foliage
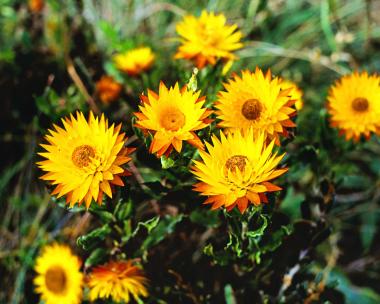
[316,242]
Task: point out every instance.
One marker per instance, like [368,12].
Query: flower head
[108,89]
[236,170]
[207,39]
[36,6]
[173,115]
[354,106]
[256,101]
[84,158]
[135,61]
[294,94]
[118,280]
[58,281]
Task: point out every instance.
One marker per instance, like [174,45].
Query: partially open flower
[207,39]
[120,281]
[135,61]
[108,89]
[36,6]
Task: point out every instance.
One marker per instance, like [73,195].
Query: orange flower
[108,89]
[172,116]
[36,6]
[118,280]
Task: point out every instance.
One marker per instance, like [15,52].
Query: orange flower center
[81,155]
[360,104]
[55,279]
[173,120]
[236,161]
[252,109]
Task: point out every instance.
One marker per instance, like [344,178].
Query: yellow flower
[295,94]
[354,105]
[256,101]
[135,61]
[207,39]
[173,115]
[118,280]
[58,279]
[84,159]
[237,170]
[108,89]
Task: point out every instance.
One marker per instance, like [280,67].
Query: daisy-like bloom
[58,279]
[295,93]
[135,61]
[84,158]
[256,101]
[353,103]
[236,170]
[108,89]
[173,115]
[118,280]
[207,39]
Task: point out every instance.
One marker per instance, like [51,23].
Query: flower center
[360,104]
[173,120]
[252,109]
[81,156]
[55,279]
[236,161]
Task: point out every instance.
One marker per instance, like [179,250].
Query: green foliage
[316,241]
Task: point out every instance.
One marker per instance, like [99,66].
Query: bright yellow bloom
[295,94]
[354,105]
[256,101]
[207,39]
[237,170]
[135,61]
[118,280]
[58,279]
[172,116]
[108,89]
[84,159]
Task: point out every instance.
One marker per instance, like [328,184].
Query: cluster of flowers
[84,159]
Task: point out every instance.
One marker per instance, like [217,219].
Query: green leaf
[368,228]
[96,257]
[291,205]
[353,294]
[123,210]
[165,226]
[260,231]
[149,225]
[91,239]
[167,162]
[205,217]
[229,294]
